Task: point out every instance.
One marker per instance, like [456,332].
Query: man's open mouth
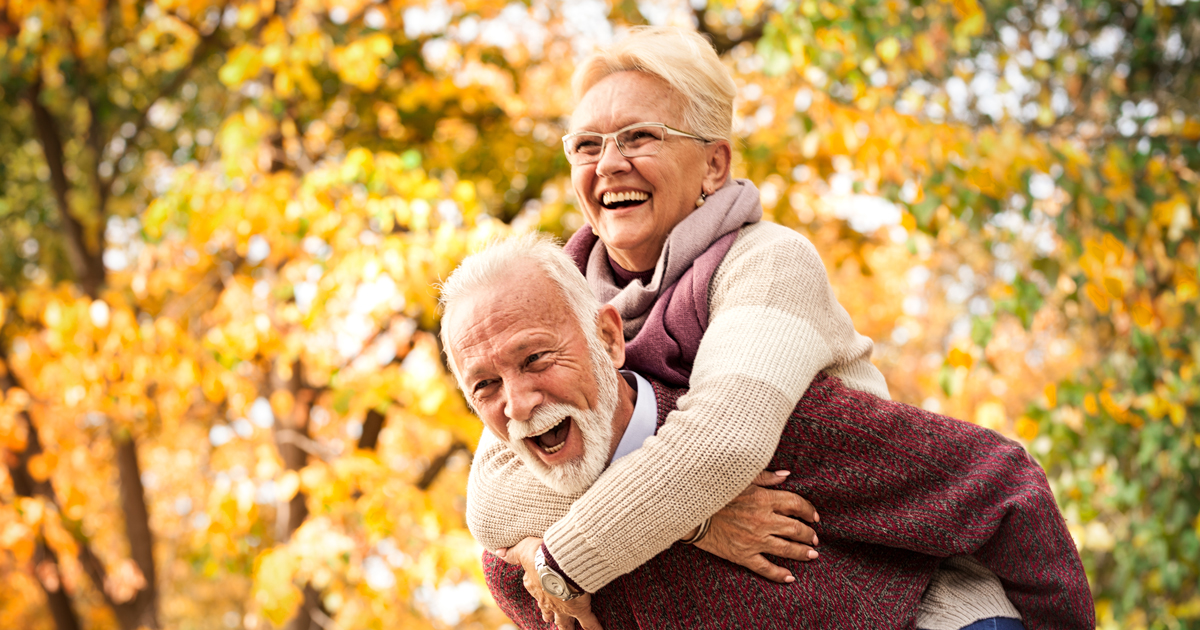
[553,439]
[624,199]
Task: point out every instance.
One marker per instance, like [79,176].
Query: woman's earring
[700,200]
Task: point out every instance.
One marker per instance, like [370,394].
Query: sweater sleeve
[505,502]
[774,323]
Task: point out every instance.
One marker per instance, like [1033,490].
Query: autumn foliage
[222,222]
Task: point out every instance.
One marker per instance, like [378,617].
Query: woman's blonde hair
[685,60]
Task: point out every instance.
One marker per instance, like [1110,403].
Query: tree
[223,223]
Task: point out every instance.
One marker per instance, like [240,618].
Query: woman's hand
[759,521]
[562,613]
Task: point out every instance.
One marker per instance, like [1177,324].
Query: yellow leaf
[274,589]
[958,358]
[1051,392]
[991,415]
[288,486]
[1026,428]
[282,403]
[244,64]
[1098,297]
[32,510]
[41,465]
[887,49]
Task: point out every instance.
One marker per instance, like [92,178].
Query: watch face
[555,585]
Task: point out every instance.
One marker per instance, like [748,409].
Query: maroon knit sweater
[898,489]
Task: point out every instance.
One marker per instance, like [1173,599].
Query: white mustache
[544,418]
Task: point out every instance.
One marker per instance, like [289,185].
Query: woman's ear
[612,334]
[718,155]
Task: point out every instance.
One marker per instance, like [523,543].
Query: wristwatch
[552,581]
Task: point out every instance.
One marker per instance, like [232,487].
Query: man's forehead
[510,315]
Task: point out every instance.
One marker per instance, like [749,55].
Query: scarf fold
[665,319]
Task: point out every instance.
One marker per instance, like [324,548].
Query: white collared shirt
[644,421]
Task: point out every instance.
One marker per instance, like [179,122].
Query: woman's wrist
[553,564]
[698,533]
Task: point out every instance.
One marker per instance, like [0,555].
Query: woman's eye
[589,145]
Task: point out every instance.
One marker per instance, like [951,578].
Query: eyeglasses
[636,140]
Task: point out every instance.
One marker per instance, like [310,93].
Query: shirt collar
[644,421]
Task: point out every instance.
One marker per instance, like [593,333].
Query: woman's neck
[635,262]
[624,276]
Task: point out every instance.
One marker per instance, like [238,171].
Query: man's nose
[520,400]
[611,161]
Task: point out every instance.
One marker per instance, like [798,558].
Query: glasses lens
[584,147]
[641,140]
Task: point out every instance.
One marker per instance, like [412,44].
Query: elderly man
[899,489]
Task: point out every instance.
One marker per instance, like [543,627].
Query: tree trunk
[88,265]
[57,600]
[62,609]
[142,610]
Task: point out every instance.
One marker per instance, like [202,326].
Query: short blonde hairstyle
[685,61]
[497,261]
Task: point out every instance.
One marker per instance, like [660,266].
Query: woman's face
[659,190]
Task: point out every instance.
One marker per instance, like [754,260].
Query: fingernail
[815,541]
[783,473]
[789,579]
[812,554]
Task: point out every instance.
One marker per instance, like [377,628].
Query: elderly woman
[738,309]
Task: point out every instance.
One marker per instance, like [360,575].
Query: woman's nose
[520,400]
[611,161]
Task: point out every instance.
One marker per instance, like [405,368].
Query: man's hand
[563,614]
[759,521]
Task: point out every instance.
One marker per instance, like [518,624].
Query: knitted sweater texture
[774,323]
[909,488]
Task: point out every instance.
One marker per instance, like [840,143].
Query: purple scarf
[665,319]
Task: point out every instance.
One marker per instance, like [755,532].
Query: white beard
[594,425]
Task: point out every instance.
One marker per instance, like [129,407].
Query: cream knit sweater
[774,324]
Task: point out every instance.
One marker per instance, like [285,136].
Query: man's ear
[719,156]
[612,334]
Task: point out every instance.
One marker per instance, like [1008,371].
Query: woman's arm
[774,323]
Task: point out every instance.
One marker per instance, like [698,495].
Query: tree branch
[304,443]
[88,266]
[372,426]
[25,485]
[438,465]
[204,48]
[722,41]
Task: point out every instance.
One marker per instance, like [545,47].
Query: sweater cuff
[553,564]
[579,558]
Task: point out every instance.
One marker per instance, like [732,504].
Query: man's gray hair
[497,260]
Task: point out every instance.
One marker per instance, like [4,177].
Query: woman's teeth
[612,198]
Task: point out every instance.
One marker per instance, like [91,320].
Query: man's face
[536,379]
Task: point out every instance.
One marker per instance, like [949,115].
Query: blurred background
[222,400]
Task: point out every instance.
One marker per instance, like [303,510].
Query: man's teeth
[554,449]
[610,198]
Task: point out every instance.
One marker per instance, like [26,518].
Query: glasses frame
[620,147]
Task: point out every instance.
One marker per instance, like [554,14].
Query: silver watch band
[552,581]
